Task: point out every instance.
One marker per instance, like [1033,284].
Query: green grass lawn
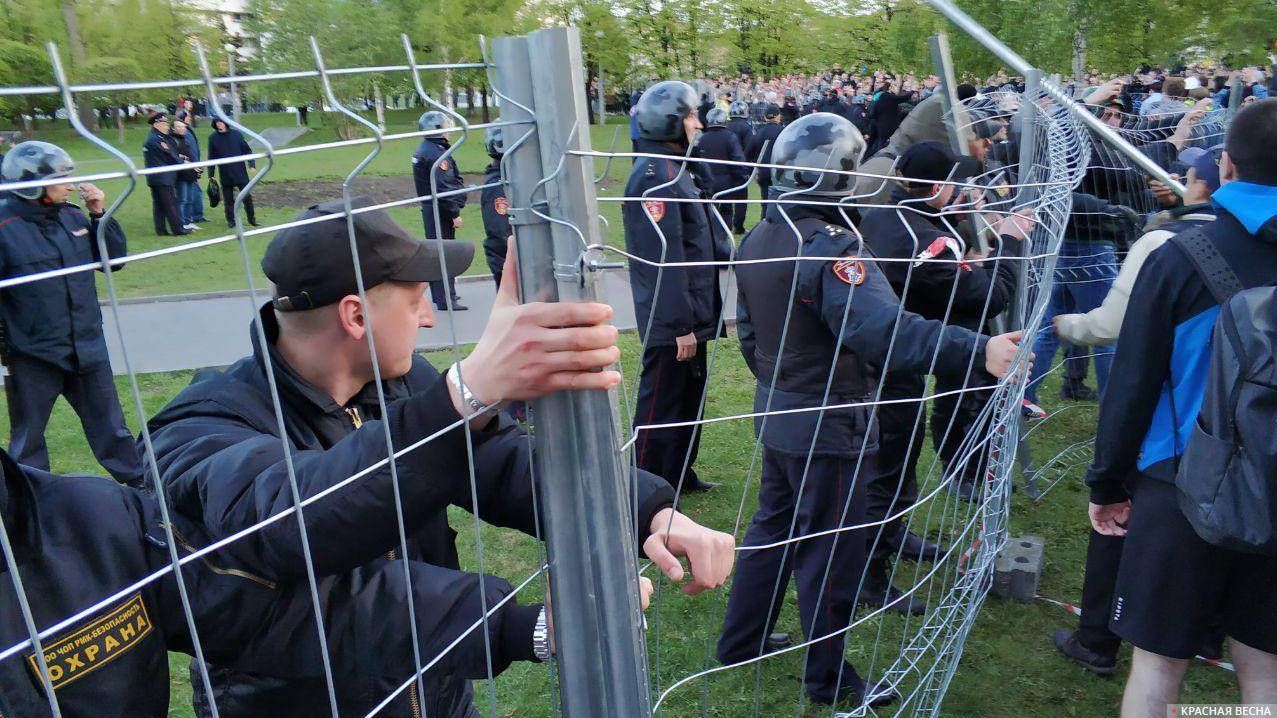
[1009,668]
[219,267]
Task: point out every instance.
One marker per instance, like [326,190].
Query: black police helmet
[818,141]
[661,110]
[433,120]
[494,141]
[771,110]
[738,109]
[716,117]
[35,160]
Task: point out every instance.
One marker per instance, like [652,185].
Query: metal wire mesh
[917,656]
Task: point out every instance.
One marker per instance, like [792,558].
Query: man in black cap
[161,150]
[223,464]
[944,283]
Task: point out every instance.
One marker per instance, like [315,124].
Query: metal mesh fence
[583,443]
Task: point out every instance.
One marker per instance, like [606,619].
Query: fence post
[1020,313]
[955,116]
[585,493]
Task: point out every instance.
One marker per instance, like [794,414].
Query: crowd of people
[304,412]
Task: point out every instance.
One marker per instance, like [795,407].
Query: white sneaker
[192,226]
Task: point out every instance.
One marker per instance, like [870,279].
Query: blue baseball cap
[1206,163]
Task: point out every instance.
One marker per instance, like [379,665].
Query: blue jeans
[1084,273]
[187,192]
[197,203]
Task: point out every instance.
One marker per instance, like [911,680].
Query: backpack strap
[1211,266]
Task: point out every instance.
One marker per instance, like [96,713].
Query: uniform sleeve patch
[80,232]
[501,205]
[937,248]
[850,270]
[443,166]
[95,643]
[655,209]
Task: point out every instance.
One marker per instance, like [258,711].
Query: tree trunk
[589,91]
[379,103]
[487,117]
[119,125]
[447,80]
[75,42]
[1079,58]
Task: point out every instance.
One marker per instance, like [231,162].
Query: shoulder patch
[655,209]
[937,248]
[443,166]
[95,643]
[851,270]
[501,205]
[79,232]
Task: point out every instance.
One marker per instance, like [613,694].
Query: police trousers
[31,389]
[798,499]
[893,486]
[669,392]
[440,290]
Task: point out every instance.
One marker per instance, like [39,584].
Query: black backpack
[1227,476]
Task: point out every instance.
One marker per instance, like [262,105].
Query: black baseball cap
[929,161]
[311,265]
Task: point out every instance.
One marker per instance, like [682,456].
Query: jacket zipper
[181,541]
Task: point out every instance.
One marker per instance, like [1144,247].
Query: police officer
[720,143]
[496,220]
[946,282]
[809,481]
[447,178]
[739,124]
[760,149]
[161,150]
[52,328]
[677,308]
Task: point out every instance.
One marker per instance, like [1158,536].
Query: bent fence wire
[1052,155]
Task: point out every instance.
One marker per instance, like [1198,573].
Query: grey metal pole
[1022,66]
[230,71]
[955,117]
[584,490]
[1027,120]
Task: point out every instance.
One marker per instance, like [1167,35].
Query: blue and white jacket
[1159,373]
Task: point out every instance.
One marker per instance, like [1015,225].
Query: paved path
[196,331]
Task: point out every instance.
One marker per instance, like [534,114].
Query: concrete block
[1018,568]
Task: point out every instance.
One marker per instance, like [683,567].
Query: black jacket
[719,143]
[688,299]
[946,289]
[229,144]
[496,218]
[818,318]
[766,134]
[447,179]
[57,320]
[161,150]
[223,467]
[744,131]
[1095,221]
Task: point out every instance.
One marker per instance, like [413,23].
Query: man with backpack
[1171,581]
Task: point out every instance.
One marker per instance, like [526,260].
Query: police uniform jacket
[687,299]
[949,288]
[744,131]
[841,314]
[447,178]
[496,218]
[161,150]
[719,143]
[223,467]
[57,320]
[766,134]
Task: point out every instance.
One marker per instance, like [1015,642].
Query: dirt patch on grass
[299,194]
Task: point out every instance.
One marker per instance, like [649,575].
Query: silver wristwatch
[468,398]
[541,638]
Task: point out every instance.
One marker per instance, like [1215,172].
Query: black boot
[1072,648]
[878,591]
[917,548]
